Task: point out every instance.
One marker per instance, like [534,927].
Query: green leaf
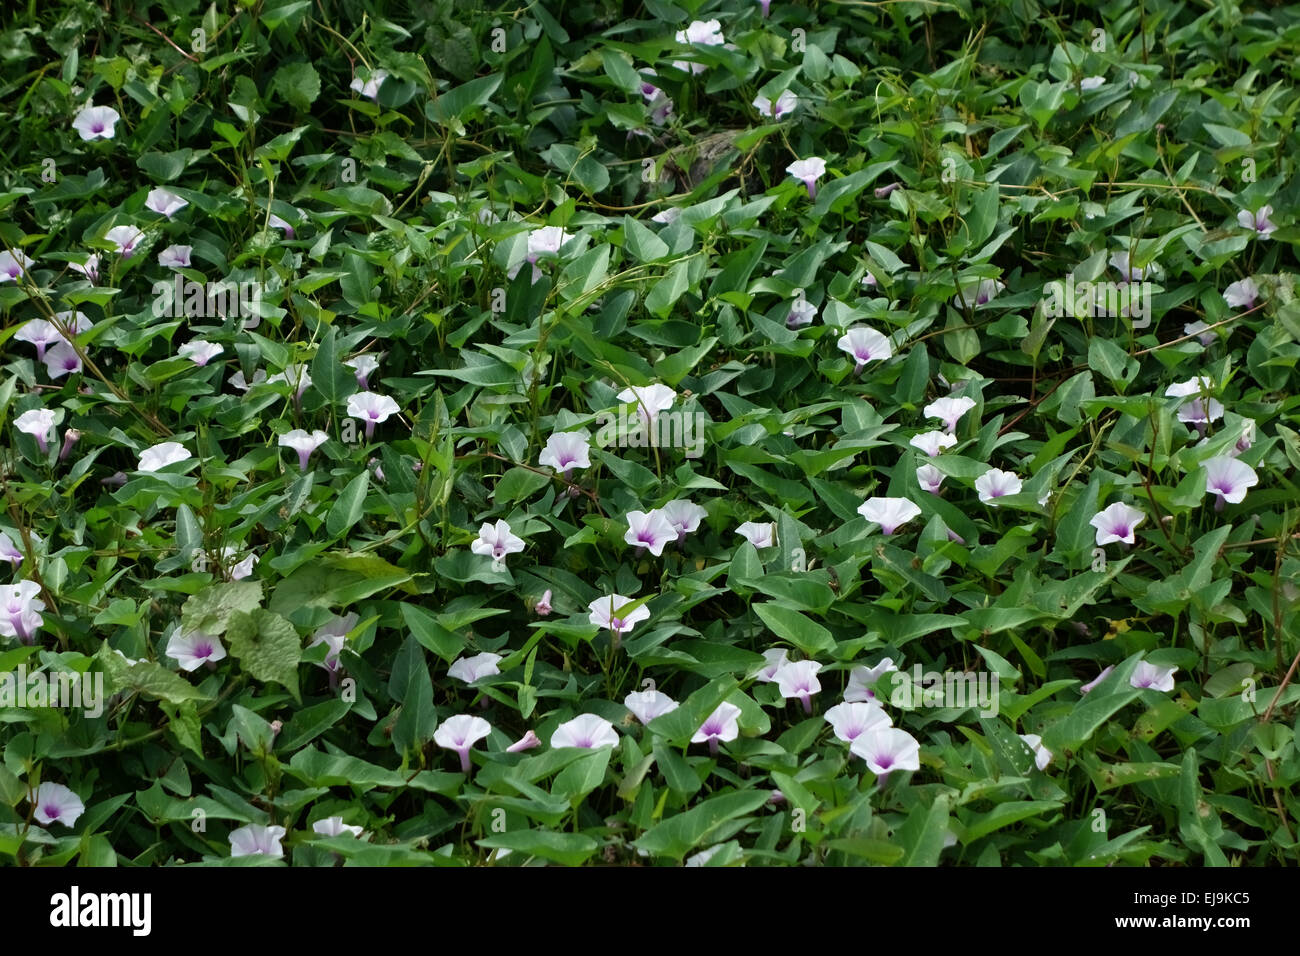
[800,630]
[299,84]
[412,685]
[347,510]
[678,835]
[267,647]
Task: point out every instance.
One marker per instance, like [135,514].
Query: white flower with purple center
[1149,676]
[163,454]
[949,410]
[303,443]
[1204,334]
[175,257]
[587,731]
[200,352]
[650,400]
[864,345]
[369,87]
[849,721]
[8,552]
[785,103]
[240,569]
[929,478]
[334,635]
[38,333]
[20,611]
[646,705]
[193,649]
[566,451]
[802,312]
[96,122]
[471,669]
[362,366]
[978,292]
[55,803]
[275,222]
[1241,294]
[799,679]
[1042,756]
[612,614]
[862,679]
[37,422]
[808,171]
[125,238]
[1128,272]
[721,726]
[334,826]
[889,513]
[496,541]
[996,483]
[933,443]
[62,359]
[1091,83]
[372,408]
[1229,478]
[888,749]
[461,733]
[164,202]
[1258,221]
[774,659]
[14,265]
[1092,684]
[257,840]
[649,530]
[684,515]
[296,376]
[89,268]
[1117,523]
[759,534]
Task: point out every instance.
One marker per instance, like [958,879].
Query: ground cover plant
[718,432]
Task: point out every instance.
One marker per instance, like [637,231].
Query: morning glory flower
[1200,410]
[163,454]
[89,268]
[1116,523]
[647,89]
[650,400]
[1258,221]
[55,803]
[275,222]
[37,422]
[996,483]
[239,570]
[369,87]
[929,478]
[949,410]
[1042,756]
[297,376]
[175,257]
[303,443]
[865,345]
[1241,294]
[785,103]
[667,217]
[703,33]
[543,241]
[684,515]
[588,731]
[809,171]
[362,365]
[767,7]
[889,513]
[460,733]
[566,451]
[372,408]
[334,826]
[1092,684]
[649,530]
[759,534]
[862,679]
[126,238]
[608,612]
[20,611]
[1091,82]
[775,659]
[850,721]
[1147,675]
[471,669]
[13,266]
[979,292]
[1128,271]
[1228,478]
[543,605]
[799,679]
[649,704]
[96,122]
[802,312]
[240,382]
[527,742]
[257,840]
[933,443]
[334,634]
[8,552]
[497,541]
[191,649]
[164,202]
[199,352]
[1201,330]
[887,749]
[723,725]
[62,360]
[39,333]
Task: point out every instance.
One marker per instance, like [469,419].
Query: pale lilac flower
[702,33]
[850,721]
[865,345]
[759,534]
[647,89]
[1228,478]
[1201,330]
[164,202]
[543,241]
[703,857]
[933,443]
[661,107]
[257,840]
[192,649]
[888,749]
[362,365]
[1128,271]
[996,483]
[527,742]
[37,422]
[240,382]
[96,122]
[1241,294]
[684,515]
[566,451]
[785,103]
[298,378]
[808,171]
[175,257]
[930,478]
[723,725]
[275,222]
[979,292]
[471,669]
[241,569]
[13,266]
[61,360]
[649,530]
[89,269]
[649,704]
[949,410]
[497,541]
[1091,82]
[767,7]
[8,552]
[20,611]
[1042,756]
[163,454]
[369,87]
[799,679]
[862,679]
[460,733]
[1117,523]
[668,216]
[650,400]
[889,513]
[868,280]
[303,443]
[74,322]
[775,659]
[372,408]
[608,612]
[543,605]
[38,333]
[200,352]
[588,731]
[334,634]
[1258,221]
[1092,684]
[802,312]
[126,238]
[1147,675]
[334,826]
[55,803]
